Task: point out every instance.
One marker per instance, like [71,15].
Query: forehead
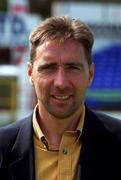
[56,45]
[56,50]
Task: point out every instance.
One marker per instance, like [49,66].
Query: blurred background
[17,19]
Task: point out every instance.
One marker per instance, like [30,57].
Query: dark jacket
[100,157]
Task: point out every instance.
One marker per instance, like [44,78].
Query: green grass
[104,95]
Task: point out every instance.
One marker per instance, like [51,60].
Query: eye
[74,67]
[47,68]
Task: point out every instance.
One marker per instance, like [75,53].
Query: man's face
[60,75]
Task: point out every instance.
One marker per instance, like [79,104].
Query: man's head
[61,69]
[62,28]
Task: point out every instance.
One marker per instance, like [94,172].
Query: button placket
[65,164]
[65,151]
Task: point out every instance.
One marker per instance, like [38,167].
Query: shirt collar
[37,130]
[81,122]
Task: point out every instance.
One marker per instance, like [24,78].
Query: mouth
[61,97]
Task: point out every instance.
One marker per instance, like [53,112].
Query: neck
[53,128]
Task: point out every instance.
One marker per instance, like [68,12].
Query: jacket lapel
[79,172]
[22,162]
[87,151]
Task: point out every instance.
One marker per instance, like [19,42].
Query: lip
[61,97]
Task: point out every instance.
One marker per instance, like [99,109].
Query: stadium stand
[105,91]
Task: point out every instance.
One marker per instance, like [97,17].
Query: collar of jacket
[22,156]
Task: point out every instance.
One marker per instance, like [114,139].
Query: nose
[61,79]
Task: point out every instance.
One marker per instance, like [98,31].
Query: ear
[29,71]
[91,71]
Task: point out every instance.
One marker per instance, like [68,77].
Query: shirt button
[44,146]
[65,151]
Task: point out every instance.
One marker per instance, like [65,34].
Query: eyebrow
[74,64]
[54,64]
[44,65]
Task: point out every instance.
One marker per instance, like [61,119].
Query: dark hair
[62,28]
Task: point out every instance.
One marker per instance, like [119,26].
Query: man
[62,139]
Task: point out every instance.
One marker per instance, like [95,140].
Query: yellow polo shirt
[59,164]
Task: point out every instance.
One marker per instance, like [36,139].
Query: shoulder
[9,133]
[11,129]
[105,122]
[109,122]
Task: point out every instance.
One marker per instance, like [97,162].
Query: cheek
[42,86]
[81,83]
[40,91]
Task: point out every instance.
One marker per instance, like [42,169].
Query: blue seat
[106,86]
[107,68]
